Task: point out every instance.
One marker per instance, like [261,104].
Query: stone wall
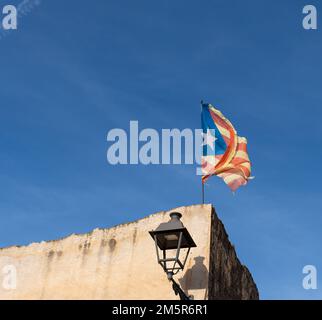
[120,263]
[228,278]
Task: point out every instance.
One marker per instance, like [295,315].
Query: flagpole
[203,192]
[202,184]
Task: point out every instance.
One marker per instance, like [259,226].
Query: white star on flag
[209,139]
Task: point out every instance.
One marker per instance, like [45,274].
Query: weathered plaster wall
[115,263]
[120,263]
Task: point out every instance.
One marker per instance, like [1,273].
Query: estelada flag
[224,153]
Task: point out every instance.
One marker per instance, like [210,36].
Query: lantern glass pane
[173,260]
[167,240]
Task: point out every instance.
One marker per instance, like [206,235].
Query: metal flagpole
[202,184]
[203,192]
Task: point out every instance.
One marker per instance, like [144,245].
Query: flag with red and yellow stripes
[224,153]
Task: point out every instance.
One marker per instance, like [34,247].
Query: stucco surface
[114,263]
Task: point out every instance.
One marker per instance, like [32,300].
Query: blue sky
[76,69]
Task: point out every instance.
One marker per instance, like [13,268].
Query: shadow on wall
[196,277]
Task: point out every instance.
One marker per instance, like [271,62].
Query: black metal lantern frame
[168,236]
[165,261]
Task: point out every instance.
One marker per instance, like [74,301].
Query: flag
[224,153]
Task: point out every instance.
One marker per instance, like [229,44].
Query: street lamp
[170,237]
